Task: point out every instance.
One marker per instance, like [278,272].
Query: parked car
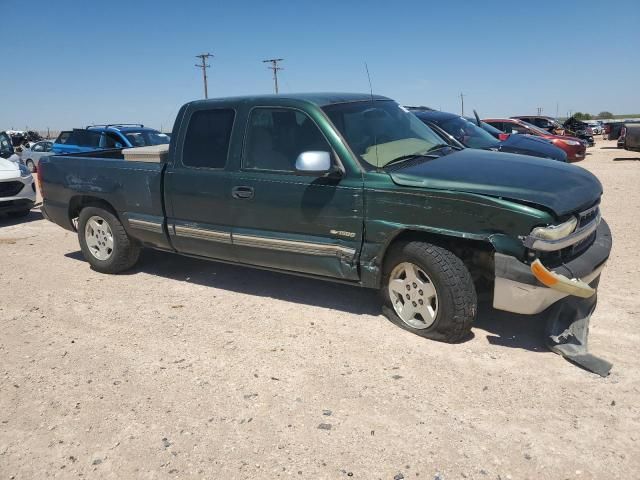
[612,130]
[579,129]
[630,136]
[31,156]
[469,134]
[549,124]
[17,190]
[573,147]
[7,151]
[98,137]
[351,188]
[596,127]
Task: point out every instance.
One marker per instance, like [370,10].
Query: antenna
[369,77]
[375,139]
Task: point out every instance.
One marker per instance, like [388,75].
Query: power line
[204,57]
[274,66]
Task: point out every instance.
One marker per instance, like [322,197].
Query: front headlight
[573,143]
[24,171]
[556,232]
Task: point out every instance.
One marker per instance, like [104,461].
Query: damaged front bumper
[531,289]
[567,294]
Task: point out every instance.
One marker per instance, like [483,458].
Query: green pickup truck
[345,187]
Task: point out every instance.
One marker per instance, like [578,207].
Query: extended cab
[346,187]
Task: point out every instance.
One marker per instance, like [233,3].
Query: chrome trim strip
[293,246]
[552,245]
[147,225]
[202,234]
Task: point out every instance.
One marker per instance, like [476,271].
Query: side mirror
[313,163]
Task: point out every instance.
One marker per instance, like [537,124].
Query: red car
[574,147]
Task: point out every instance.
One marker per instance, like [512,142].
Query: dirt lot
[187,368]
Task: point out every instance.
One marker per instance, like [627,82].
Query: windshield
[380,131]
[536,130]
[491,129]
[144,138]
[468,133]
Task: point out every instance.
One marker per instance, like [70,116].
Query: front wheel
[104,242]
[429,291]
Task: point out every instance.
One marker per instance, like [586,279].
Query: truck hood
[556,186]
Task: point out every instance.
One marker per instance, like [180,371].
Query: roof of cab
[319,99]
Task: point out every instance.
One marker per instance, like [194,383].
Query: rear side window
[206,144]
[84,138]
[63,137]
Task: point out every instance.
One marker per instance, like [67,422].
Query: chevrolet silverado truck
[351,188]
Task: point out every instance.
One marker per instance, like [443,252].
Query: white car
[17,190]
[31,156]
[596,128]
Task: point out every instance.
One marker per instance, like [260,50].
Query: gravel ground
[190,369]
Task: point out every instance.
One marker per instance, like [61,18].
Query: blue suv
[101,137]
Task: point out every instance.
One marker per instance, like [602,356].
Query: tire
[107,247]
[19,213]
[450,316]
[31,166]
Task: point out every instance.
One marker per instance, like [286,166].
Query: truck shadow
[511,330]
[504,329]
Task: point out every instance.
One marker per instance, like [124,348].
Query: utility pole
[204,57]
[274,66]
[539,111]
[462,102]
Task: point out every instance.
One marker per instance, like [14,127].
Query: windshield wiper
[403,158]
[440,146]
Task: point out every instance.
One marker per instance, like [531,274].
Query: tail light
[607,129]
[503,136]
[623,132]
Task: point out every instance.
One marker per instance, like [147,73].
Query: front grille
[588,216]
[9,189]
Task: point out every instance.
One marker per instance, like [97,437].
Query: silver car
[31,156]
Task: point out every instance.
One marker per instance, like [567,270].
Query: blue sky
[70,63]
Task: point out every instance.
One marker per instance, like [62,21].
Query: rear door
[284,220]
[197,189]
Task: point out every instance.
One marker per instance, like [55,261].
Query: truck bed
[134,189]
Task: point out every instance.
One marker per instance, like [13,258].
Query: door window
[276,136]
[38,147]
[515,128]
[206,144]
[111,140]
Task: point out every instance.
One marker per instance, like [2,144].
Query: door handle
[242,193]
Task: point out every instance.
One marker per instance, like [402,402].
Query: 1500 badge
[342,233]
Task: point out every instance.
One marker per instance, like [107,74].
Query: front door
[288,221]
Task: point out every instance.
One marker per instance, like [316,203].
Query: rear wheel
[429,291]
[104,242]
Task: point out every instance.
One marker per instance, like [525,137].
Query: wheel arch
[463,246]
[79,202]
